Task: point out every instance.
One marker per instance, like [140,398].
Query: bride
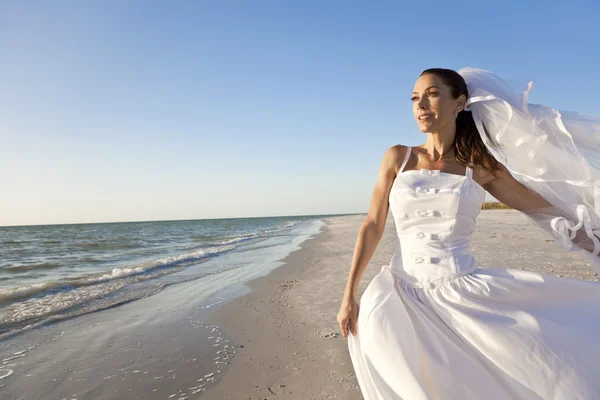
[432,325]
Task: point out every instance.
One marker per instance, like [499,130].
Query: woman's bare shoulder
[393,158]
[397,152]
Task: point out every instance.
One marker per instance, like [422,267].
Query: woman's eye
[414,98]
[433,93]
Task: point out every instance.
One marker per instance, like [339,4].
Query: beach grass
[494,205]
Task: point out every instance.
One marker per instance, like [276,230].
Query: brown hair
[469,149]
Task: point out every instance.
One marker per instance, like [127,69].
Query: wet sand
[149,349]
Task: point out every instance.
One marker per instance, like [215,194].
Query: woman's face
[433,106]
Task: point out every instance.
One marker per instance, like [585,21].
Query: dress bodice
[434,213]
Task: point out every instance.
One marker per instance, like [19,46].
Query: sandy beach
[278,340]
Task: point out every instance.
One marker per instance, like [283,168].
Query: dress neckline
[465,176]
[439,171]
[468,171]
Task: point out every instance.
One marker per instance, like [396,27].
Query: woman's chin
[424,128]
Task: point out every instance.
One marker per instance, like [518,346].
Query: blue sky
[133,110]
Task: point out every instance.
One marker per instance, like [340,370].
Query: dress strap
[406,157]
[469,173]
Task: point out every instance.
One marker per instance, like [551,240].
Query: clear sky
[136,110]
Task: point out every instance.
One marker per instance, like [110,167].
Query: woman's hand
[348,316]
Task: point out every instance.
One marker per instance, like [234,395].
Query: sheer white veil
[554,153]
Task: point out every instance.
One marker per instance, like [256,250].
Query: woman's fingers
[353,326]
[354,319]
[344,327]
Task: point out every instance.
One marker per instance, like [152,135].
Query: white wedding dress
[432,325]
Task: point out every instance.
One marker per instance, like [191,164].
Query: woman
[431,324]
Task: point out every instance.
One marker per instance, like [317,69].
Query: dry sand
[292,347]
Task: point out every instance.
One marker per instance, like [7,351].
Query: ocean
[55,272]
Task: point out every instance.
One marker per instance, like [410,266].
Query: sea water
[53,272]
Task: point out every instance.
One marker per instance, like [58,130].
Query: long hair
[469,149]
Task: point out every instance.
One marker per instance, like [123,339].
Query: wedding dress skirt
[432,325]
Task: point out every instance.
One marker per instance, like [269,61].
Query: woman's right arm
[369,235]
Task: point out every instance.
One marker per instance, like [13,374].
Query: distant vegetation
[494,205]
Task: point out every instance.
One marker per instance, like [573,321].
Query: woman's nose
[421,104]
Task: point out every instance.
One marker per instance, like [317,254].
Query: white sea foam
[119,273]
[25,291]
[8,295]
[5,373]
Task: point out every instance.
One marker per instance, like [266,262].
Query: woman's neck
[439,145]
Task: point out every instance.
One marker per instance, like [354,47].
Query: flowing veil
[555,154]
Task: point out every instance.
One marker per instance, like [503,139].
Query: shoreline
[285,327]
[150,348]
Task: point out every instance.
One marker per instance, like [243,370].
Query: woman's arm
[372,228]
[513,193]
[369,236]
